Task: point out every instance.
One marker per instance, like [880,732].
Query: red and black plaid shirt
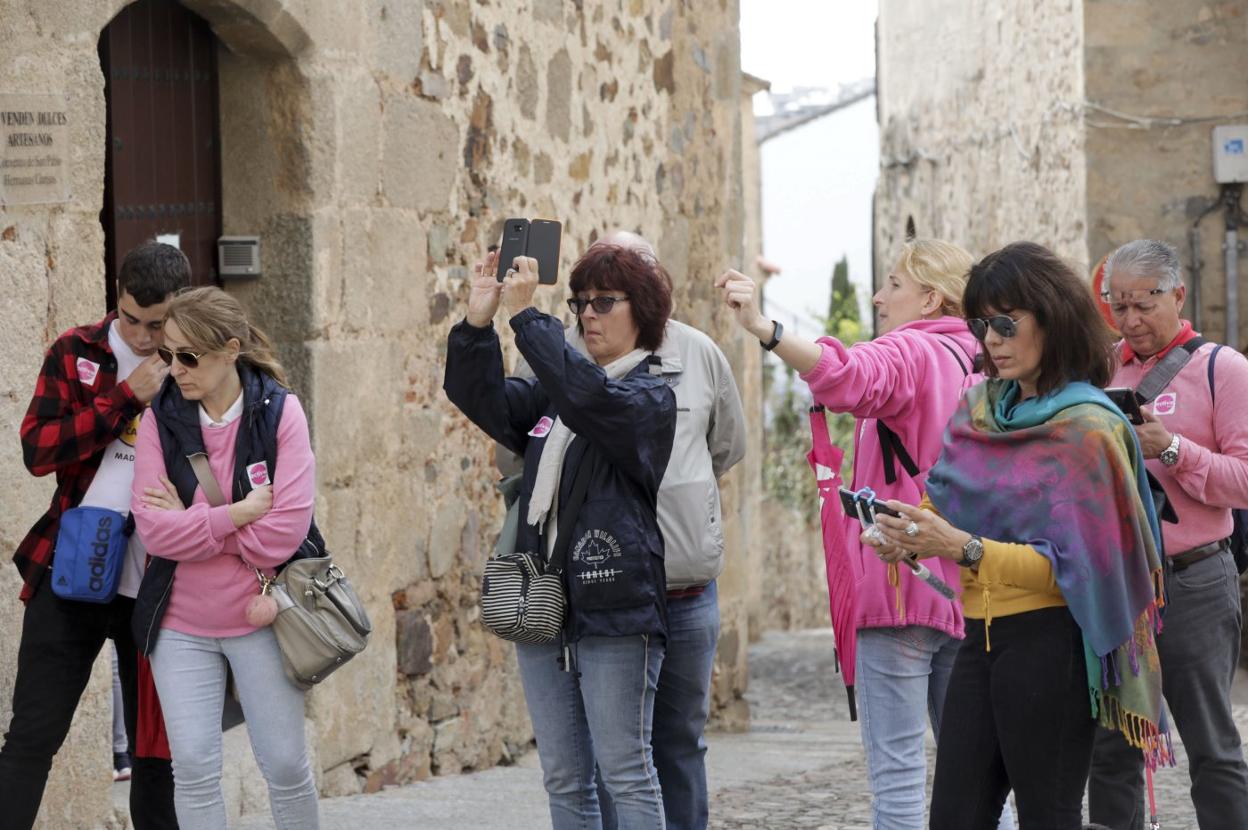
[77,411]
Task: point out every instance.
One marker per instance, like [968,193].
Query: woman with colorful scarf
[1040,493]
[901,387]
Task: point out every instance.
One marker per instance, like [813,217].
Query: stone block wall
[981,134]
[376,148]
[1147,64]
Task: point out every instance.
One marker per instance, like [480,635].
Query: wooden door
[162,166]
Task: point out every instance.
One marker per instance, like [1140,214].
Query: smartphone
[515,238]
[543,245]
[865,511]
[1126,400]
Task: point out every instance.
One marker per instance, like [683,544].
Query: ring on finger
[912,530]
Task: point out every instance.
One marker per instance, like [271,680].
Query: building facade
[375,148]
[1079,124]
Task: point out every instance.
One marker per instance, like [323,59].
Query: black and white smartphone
[543,245]
[512,245]
[866,511]
[1126,400]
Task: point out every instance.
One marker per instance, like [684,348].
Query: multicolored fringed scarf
[1064,474]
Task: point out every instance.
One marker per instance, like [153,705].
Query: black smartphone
[1126,400]
[515,237]
[864,510]
[543,245]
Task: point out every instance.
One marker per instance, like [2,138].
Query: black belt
[1184,560]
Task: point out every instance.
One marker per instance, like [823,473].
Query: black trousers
[1017,717]
[60,642]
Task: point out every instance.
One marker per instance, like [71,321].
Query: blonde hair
[209,318]
[939,266]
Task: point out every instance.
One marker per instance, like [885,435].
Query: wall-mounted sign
[34,149]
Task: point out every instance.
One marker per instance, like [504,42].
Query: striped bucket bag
[522,595]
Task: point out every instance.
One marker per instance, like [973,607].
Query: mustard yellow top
[1011,579]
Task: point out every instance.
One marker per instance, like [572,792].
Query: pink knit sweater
[213,584]
[911,380]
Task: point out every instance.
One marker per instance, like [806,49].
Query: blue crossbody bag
[90,549]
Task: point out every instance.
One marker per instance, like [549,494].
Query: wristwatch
[775,337]
[1170,455]
[972,552]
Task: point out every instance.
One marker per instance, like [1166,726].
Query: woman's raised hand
[519,285]
[486,289]
[740,295]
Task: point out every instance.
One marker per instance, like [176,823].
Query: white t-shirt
[111,486]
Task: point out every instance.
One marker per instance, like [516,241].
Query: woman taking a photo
[223,398]
[1040,494]
[590,694]
[901,388]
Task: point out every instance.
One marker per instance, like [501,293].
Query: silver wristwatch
[972,552]
[1170,455]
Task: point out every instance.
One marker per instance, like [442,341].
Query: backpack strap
[893,450]
[1159,377]
[890,442]
[945,341]
[1213,390]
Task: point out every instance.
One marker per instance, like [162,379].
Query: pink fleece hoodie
[212,585]
[910,379]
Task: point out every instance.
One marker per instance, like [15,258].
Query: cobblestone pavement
[800,766]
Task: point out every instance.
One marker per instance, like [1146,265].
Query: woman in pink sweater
[902,388]
[225,397]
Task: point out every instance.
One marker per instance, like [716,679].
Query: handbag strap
[207,482]
[212,492]
[567,517]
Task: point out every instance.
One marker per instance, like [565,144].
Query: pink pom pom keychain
[262,608]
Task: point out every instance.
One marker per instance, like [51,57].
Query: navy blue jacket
[614,578]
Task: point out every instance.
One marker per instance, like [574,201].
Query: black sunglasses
[188,359]
[1005,326]
[601,305]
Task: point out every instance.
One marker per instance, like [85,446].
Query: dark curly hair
[644,280]
[1024,276]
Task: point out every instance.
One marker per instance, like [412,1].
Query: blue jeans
[902,676]
[681,707]
[1199,650]
[190,679]
[603,712]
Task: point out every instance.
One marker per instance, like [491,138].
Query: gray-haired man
[1195,440]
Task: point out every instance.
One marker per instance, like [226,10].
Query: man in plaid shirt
[95,383]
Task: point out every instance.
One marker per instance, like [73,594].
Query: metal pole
[1232,289]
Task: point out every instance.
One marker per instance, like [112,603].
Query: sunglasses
[601,305]
[188,359]
[1005,326]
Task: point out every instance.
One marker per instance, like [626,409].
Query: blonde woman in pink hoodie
[902,388]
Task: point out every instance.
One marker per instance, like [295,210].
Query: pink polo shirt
[1211,475]
[213,584]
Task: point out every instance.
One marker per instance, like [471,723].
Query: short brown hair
[644,280]
[1024,276]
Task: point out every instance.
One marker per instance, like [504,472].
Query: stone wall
[982,141]
[376,148]
[1163,61]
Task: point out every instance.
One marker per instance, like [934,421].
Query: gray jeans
[190,678]
[1199,649]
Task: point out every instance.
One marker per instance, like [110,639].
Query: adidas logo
[62,581]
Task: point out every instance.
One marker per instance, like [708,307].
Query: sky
[817,180]
[808,42]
